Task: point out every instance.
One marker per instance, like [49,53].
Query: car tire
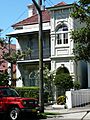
[14,113]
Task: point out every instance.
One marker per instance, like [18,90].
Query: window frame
[61,32]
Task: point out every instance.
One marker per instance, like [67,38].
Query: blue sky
[12,11]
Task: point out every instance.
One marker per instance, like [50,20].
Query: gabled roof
[60,4]
[34,19]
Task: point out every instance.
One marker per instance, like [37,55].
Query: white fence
[77,97]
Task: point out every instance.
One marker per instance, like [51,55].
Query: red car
[13,105]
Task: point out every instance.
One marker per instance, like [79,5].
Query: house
[57,44]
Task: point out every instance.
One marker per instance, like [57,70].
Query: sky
[13,11]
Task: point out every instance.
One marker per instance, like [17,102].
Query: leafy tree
[63,81]
[76,85]
[47,79]
[4,78]
[81,36]
[11,56]
[48,82]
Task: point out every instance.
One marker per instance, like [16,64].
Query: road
[80,115]
[72,116]
[24,117]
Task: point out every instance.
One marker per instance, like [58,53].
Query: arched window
[62,34]
[62,69]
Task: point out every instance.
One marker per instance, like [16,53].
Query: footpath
[78,113]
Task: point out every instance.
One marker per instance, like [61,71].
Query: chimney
[31,10]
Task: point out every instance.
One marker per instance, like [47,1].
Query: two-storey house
[57,43]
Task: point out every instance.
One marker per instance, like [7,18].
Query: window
[65,38]
[62,35]
[44,42]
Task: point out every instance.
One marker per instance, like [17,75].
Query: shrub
[76,85]
[46,97]
[61,100]
[28,91]
[63,81]
[42,116]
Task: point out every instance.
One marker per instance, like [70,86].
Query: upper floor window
[62,35]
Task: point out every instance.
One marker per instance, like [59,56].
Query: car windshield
[8,92]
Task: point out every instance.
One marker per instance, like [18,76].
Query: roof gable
[34,19]
[60,4]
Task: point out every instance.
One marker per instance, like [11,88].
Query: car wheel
[14,113]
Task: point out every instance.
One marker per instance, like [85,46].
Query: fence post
[69,99]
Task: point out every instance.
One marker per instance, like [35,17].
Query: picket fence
[75,98]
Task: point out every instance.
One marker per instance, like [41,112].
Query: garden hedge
[28,91]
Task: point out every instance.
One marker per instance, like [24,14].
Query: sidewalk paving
[78,113]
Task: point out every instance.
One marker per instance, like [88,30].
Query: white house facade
[57,44]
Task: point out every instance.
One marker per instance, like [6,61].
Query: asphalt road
[24,117]
[80,115]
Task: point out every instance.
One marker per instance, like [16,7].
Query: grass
[50,113]
[46,114]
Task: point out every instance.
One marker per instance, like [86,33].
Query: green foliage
[28,91]
[31,92]
[2,41]
[42,116]
[61,100]
[62,70]
[82,10]
[4,78]
[13,56]
[81,36]
[48,84]
[10,55]
[47,78]
[46,94]
[51,113]
[63,81]
[22,54]
[76,85]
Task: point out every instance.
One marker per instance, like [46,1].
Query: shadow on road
[29,118]
[23,117]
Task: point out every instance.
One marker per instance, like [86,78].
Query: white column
[68,99]
[19,83]
[88,75]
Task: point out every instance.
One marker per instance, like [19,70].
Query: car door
[1,104]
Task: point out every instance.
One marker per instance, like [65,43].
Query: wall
[61,54]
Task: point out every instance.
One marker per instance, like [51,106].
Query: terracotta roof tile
[60,4]
[34,19]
